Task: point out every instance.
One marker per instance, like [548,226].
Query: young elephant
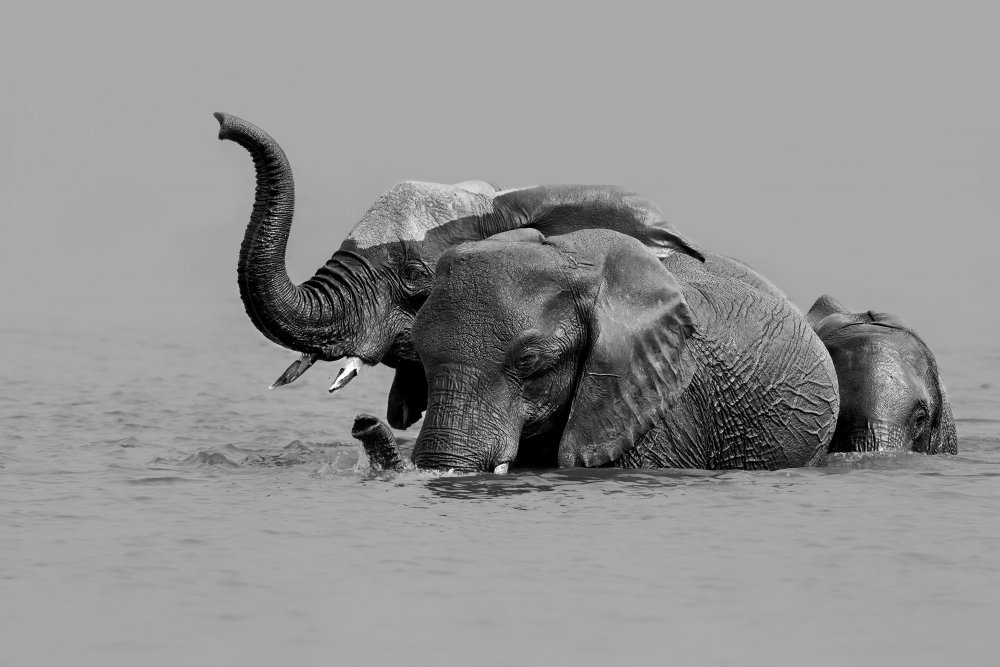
[586,350]
[891,394]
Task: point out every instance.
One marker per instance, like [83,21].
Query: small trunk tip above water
[378,442]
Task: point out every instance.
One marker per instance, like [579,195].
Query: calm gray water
[159,506]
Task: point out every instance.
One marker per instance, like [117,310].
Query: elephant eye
[530,361]
[920,418]
[414,272]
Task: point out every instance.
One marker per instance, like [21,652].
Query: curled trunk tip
[224,124]
[231,126]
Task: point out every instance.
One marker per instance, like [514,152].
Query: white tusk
[501,469]
[298,367]
[347,373]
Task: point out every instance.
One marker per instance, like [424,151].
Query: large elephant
[361,303]
[891,393]
[587,350]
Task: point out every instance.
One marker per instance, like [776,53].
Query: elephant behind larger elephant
[891,392]
[361,303]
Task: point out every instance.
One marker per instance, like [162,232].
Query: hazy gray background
[146,516]
[850,148]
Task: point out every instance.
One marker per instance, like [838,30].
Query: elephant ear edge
[825,306]
[633,370]
[480,187]
[944,437]
[407,396]
[556,210]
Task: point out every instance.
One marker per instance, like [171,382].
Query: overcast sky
[841,147]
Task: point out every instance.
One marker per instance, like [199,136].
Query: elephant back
[764,393]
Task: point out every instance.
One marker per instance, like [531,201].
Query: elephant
[361,303]
[585,349]
[891,393]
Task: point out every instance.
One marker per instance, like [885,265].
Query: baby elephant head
[891,394]
[548,351]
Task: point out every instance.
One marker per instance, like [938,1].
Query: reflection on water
[160,506]
[596,480]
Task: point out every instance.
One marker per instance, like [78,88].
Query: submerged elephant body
[761,396]
[361,303]
[891,393]
[587,350]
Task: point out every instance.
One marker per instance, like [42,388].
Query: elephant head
[548,351]
[891,393]
[361,303]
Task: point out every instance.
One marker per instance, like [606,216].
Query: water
[159,506]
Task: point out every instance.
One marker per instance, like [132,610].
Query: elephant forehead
[881,362]
[505,284]
[869,340]
[411,209]
[509,268]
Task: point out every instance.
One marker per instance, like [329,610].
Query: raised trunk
[300,317]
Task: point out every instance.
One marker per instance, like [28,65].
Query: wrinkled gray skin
[361,303]
[587,350]
[891,393]
[379,443]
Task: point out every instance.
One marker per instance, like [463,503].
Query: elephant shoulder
[761,359]
[728,268]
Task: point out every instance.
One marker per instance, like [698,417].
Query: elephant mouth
[458,464]
[871,438]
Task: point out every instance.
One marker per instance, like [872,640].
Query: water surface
[159,506]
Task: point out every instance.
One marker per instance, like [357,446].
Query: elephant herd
[573,326]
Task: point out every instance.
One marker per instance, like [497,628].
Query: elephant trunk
[474,435]
[299,317]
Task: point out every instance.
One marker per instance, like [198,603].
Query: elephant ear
[887,320]
[408,396]
[519,235]
[479,187]
[555,210]
[944,438]
[825,306]
[632,372]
